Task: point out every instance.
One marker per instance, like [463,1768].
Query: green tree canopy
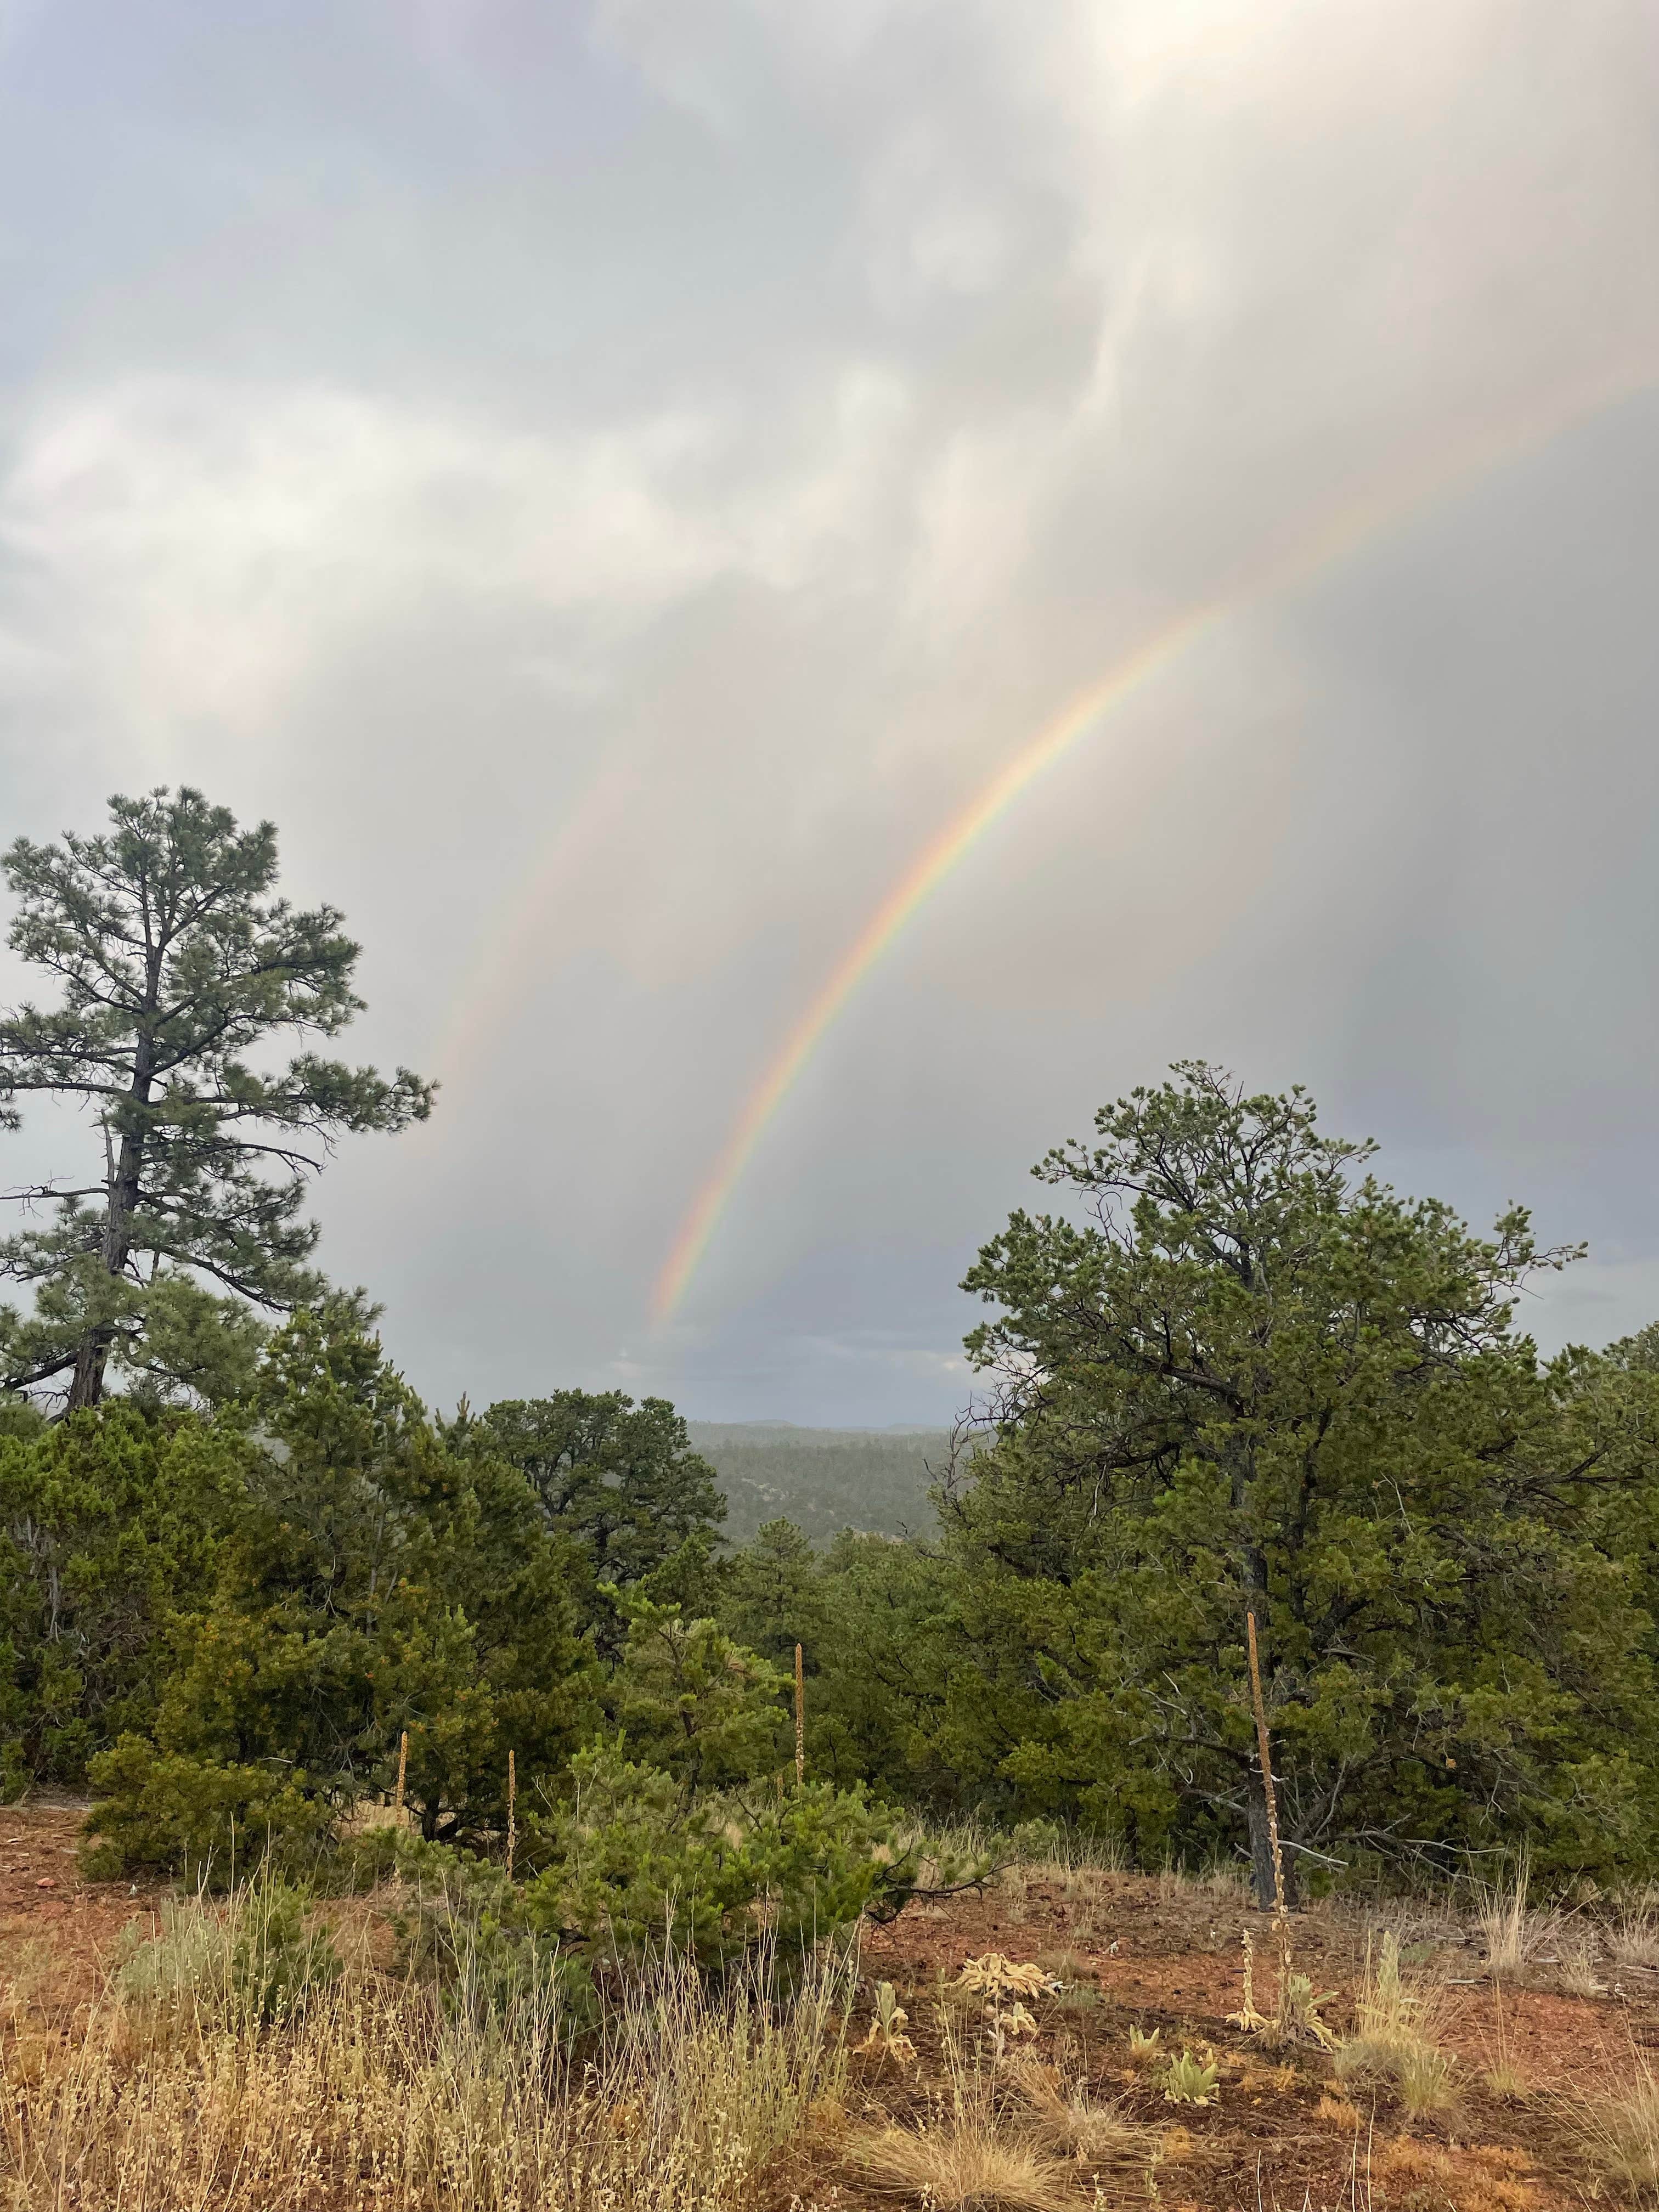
[372,1584]
[176,964]
[620,1481]
[1254,1378]
[107,1521]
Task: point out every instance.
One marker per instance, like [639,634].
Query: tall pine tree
[176,964]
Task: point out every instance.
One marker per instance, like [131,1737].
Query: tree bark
[120,1204]
[87,1383]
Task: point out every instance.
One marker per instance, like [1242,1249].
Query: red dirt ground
[1133,1950]
[1167,1955]
[45,1900]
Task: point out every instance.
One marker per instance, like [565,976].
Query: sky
[618,484]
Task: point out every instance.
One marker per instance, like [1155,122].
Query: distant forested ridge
[876,1481]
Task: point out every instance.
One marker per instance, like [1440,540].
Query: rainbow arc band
[1294,562]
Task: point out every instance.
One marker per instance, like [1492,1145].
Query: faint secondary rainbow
[1298,562]
[490,991]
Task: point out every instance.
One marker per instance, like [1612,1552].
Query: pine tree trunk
[120,1203]
[86,1384]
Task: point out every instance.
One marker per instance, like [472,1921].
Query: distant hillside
[823,1480]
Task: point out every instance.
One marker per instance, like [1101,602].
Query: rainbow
[1297,562]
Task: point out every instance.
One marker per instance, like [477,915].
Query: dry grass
[1021,2143]
[1010,2133]
[1222,1883]
[1617,2133]
[1066,1965]
[1633,1939]
[1100,2138]
[1338,2112]
[1425,2077]
[1510,1931]
[371,2093]
[1502,2077]
[962,2160]
[1398,2029]
[1576,1969]
[1550,1946]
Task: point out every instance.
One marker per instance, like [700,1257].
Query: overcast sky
[612,482]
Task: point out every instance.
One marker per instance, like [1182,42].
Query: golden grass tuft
[1618,2132]
[1102,2137]
[1503,2080]
[1632,1935]
[1507,1928]
[1526,1945]
[1014,2136]
[1425,2077]
[960,2161]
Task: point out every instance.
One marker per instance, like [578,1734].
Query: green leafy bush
[369,1585]
[1036,1843]
[695,1703]
[635,1868]
[208,1822]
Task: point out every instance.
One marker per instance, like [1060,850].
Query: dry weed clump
[1481,2178]
[375,2091]
[1338,2112]
[959,2160]
[1001,1986]
[1015,2139]
[1577,1967]
[1502,2077]
[1553,1948]
[1220,1884]
[1396,2039]
[1552,1945]
[1511,1931]
[1101,2137]
[1617,2133]
[1296,2015]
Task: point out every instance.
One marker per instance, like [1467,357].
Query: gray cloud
[613,484]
